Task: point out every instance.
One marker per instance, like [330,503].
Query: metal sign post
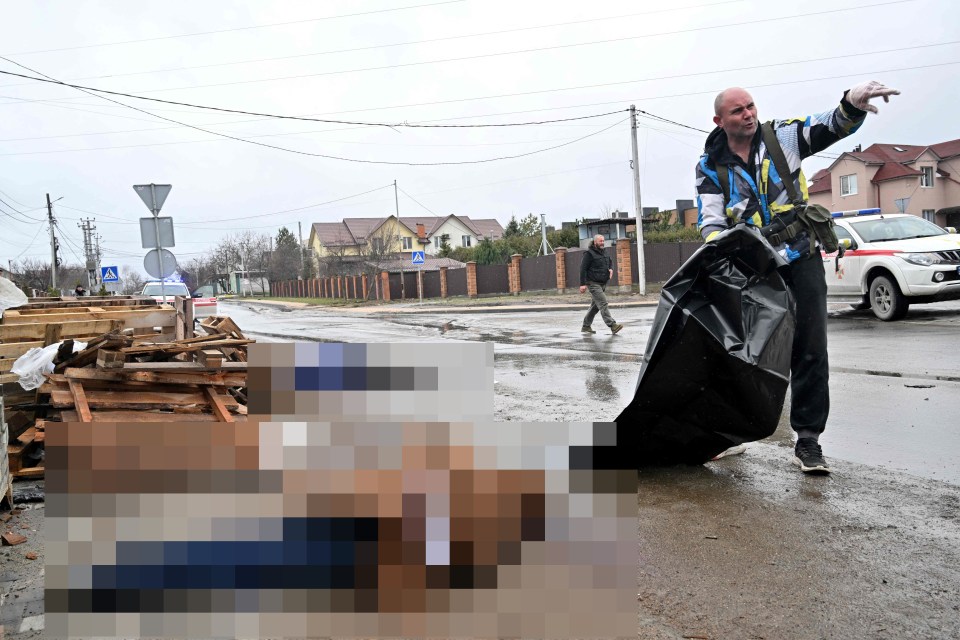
[154,195]
[418,260]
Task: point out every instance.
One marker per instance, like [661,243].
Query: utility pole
[635,163]
[89,253]
[545,247]
[53,244]
[396,204]
[300,233]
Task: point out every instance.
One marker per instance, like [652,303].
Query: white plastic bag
[10,295]
[37,361]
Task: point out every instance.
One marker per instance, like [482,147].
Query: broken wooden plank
[233,379]
[178,347]
[17,349]
[162,400]
[145,416]
[89,354]
[51,334]
[108,358]
[27,437]
[181,366]
[37,330]
[137,318]
[210,358]
[218,405]
[80,400]
[31,472]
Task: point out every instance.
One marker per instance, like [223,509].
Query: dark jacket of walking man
[737,180]
[595,272]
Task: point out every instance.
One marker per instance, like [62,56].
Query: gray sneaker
[615,327]
[587,330]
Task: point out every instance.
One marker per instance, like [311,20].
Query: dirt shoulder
[748,547]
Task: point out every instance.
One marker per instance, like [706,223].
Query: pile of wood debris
[121,377]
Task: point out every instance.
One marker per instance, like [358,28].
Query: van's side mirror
[951,229]
[847,244]
[197,294]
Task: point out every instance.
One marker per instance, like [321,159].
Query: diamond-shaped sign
[153,195]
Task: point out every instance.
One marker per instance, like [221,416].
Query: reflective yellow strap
[712,235]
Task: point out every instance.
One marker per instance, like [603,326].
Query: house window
[848,185]
[377,245]
[930,215]
[926,179]
[467,240]
[407,243]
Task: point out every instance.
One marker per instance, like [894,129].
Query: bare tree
[131,282]
[35,274]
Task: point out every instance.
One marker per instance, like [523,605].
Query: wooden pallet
[19,450]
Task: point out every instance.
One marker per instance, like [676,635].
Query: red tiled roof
[893,170]
[820,182]
[947,149]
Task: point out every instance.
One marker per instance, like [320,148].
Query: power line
[35,236]
[319,204]
[250,28]
[389,125]
[525,51]
[331,157]
[306,118]
[417,201]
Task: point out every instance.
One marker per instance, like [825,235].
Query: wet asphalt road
[895,387]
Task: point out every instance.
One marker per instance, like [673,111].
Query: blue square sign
[109,274]
[418,257]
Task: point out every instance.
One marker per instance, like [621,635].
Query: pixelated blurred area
[354,527]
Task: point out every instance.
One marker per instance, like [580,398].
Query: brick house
[881,174]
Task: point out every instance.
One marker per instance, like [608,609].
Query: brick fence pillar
[356,287]
[623,265]
[513,274]
[560,258]
[472,279]
[443,282]
[365,285]
[385,285]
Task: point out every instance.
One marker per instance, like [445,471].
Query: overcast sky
[464,62]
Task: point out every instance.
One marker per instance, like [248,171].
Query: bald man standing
[737,180]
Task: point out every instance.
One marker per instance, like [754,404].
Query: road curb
[429,309]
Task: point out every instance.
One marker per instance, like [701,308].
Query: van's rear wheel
[886,300]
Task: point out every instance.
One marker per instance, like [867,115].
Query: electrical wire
[525,51]
[331,157]
[250,28]
[389,125]
[417,201]
[35,236]
[398,44]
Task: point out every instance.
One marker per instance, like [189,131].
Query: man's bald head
[736,113]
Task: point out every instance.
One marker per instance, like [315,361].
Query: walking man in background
[751,173]
[595,272]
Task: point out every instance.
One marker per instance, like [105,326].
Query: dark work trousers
[809,369]
[598,302]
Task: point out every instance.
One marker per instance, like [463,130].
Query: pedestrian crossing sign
[109,274]
[418,257]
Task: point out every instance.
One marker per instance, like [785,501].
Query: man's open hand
[860,95]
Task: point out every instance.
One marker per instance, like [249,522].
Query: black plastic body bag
[717,363]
